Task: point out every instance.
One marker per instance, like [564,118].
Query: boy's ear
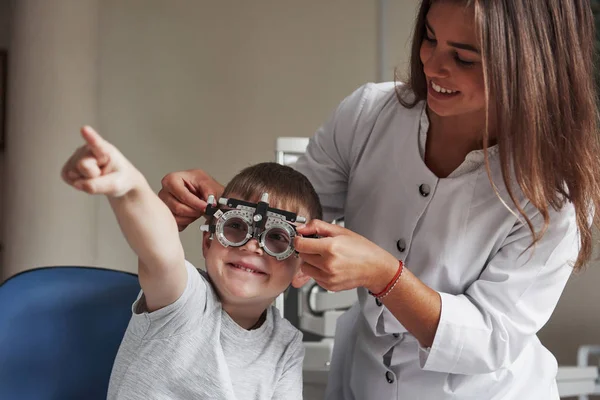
[206,242]
[300,279]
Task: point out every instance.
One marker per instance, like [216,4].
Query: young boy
[205,336]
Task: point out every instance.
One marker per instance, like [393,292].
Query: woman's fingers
[184,214]
[305,246]
[343,261]
[189,200]
[183,222]
[177,187]
[325,280]
[178,208]
[312,271]
[320,228]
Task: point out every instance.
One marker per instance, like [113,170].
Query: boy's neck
[248,316]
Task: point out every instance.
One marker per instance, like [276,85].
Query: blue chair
[60,329]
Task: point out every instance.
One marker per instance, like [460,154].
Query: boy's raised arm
[149,227]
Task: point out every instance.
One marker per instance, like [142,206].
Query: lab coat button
[424,190]
[401,245]
[389,376]
[378,302]
[396,335]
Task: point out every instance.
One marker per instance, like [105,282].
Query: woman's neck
[450,139]
[463,131]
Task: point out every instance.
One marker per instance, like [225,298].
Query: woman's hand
[186,192]
[342,259]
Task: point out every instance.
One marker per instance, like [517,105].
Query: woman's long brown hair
[538,62]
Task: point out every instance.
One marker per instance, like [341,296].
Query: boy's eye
[236,225]
[278,237]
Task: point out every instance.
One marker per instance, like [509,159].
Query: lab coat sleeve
[331,152]
[488,326]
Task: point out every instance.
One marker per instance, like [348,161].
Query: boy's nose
[253,246]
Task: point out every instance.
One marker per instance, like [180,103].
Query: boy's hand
[99,168]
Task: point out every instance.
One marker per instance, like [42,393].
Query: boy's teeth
[244,268]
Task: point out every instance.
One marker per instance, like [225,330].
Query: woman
[468,195]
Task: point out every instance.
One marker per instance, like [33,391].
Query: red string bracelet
[390,286]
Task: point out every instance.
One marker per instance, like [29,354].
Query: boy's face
[247,273]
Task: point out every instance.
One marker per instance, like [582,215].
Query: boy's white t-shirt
[192,349]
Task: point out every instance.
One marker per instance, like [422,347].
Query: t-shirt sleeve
[289,386]
[178,317]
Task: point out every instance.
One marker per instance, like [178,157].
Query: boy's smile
[247,267]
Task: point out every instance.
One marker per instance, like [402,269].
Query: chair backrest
[60,329]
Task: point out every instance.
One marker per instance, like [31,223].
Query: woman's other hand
[185,193]
[341,259]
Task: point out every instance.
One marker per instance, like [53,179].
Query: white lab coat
[367,164]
